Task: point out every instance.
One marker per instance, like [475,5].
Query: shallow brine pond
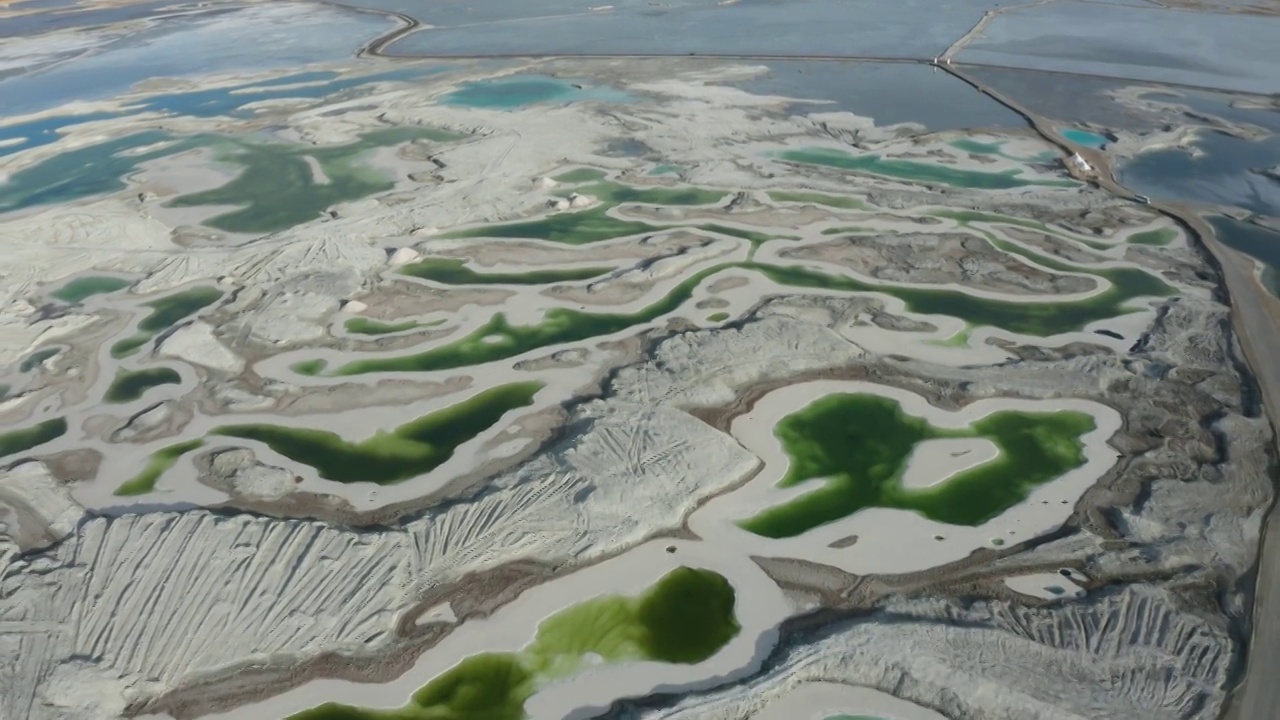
[858,446]
[686,617]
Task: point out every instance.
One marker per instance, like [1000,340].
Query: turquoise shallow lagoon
[517,91]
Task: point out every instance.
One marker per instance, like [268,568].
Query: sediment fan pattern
[1128,654]
[126,600]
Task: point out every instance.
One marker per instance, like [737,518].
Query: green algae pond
[685,618]
[130,385]
[842,202]
[165,312]
[366,326]
[277,186]
[1037,318]
[857,446]
[917,171]
[1158,237]
[160,463]
[24,439]
[449,271]
[78,290]
[595,224]
[498,339]
[579,176]
[412,449]
[571,228]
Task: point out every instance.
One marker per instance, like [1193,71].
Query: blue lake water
[254,39]
[889,93]
[1223,175]
[216,102]
[1085,138]
[520,90]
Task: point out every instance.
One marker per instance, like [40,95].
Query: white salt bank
[936,461]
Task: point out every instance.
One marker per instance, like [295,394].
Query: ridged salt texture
[155,600]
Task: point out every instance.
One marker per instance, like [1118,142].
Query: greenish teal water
[38,358]
[499,340]
[571,228]
[365,326]
[916,171]
[517,91]
[1159,236]
[130,385]
[686,617]
[168,310]
[165,312]
[857,446]
[843,202]
[24,439]
[79,289]
[1040,319]
[276,188]
[160,462]
[665,169]
[455,272]
[978,148]
[412,449]
[580,175]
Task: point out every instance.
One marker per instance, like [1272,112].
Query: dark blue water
[1223,175]
[216,102]
[1257,242]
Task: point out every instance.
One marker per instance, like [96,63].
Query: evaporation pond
[520,90]
[1085,138]
[853,449]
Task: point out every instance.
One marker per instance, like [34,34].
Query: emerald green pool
[79,289]
[130,385]
[448,271]
[412,449]
[277,189]
[160,462]
[917,171]
[686,617]
[857,446]
[570,228]
[366,326]
[843,202]
[499,340]
[24,439]
[595,224]
[1158,237]
[165,312]
[1040,319]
